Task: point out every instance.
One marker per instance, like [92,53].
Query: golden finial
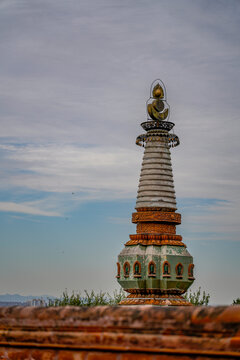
[157,109]
[158,91]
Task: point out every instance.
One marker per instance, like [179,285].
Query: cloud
[211,220]
[74,78]
[73,71]
[74,81]
[61,177]
[25,209]
[68,168]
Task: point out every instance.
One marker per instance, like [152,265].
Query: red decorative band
[159,216]
[155,228]
[155,237]
[154,242]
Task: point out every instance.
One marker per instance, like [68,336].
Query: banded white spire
[156,187]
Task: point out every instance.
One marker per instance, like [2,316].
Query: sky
[74,80]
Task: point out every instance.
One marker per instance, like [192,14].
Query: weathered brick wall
[120,333]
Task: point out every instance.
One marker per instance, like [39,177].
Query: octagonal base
[158,300]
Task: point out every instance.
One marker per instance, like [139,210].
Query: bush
[236,301]
[197,298]
[89,299]
[102,298]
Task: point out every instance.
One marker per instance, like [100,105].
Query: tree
[197,298]
[236,301]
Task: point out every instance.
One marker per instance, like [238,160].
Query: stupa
[155,267]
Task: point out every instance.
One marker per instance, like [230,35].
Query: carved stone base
[158,300]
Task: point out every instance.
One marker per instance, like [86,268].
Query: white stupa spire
[156,187]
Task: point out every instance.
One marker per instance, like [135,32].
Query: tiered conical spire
[156,188]
[155,267]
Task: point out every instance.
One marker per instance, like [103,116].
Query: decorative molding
[154,242]
[156,228]
[152,208]
[159,301]
[160,216]
[161,125]
[155,237]
[154,292]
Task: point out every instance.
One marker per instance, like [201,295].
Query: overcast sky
[74,80]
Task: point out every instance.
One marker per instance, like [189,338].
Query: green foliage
[236,301]
[89,299]
[197,298]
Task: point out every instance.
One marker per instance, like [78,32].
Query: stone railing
[120,333]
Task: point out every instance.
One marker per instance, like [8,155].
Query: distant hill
[16,298]
[12,303]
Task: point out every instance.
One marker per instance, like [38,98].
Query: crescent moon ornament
[158,109]
[156,115]
[158,105]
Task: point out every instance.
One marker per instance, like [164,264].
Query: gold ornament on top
[156,109]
